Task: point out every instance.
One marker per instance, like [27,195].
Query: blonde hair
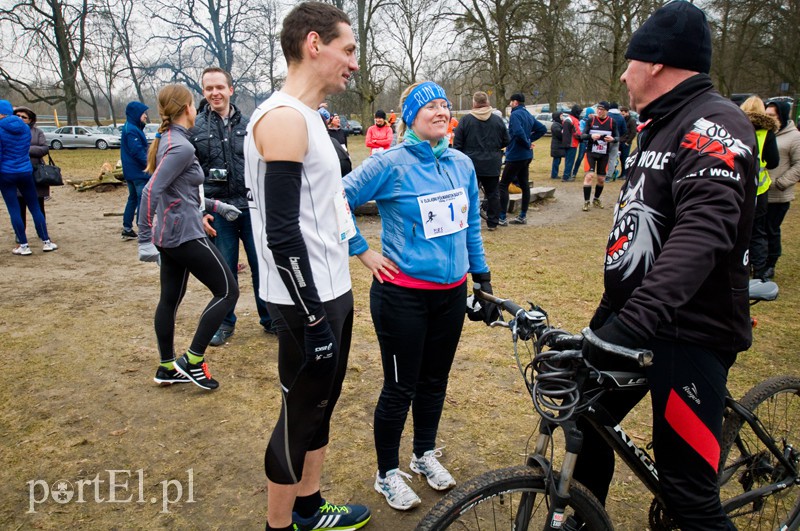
[401,129]
[172,102]
[753,104]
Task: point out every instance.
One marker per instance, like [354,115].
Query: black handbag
[48,174]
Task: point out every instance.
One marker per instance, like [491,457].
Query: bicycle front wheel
[512,498]
[756,489]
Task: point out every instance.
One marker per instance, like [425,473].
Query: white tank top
[321,181]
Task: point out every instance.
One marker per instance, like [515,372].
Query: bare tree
[369,82]
[120,15]
[491,35]
[610,24]
[47,46]
[200,33]
[410,40]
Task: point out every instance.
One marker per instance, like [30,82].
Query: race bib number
[344,218]
[599,146]
[444,213]
[376,150]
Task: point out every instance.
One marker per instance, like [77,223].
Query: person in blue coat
[523,130]
[16,173]
[133,153]
[427,195]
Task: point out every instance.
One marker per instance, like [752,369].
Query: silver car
[77,136]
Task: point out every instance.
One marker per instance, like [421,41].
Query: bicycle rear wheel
[512,498]
[746,465]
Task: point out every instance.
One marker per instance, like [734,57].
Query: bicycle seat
[763,290]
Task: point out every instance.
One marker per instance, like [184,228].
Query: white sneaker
[398,494]
[429,466]
[49,246]
[22,250]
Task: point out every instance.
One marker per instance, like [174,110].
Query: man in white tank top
[301,226]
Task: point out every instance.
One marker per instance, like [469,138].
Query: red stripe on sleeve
[691,429]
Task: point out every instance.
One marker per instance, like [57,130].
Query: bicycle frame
[636,458]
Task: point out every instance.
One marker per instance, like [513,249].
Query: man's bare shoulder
[281,134]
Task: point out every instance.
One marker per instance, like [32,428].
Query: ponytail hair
[172,102]
[401,129]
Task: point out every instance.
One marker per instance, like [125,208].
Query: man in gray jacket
[218,137]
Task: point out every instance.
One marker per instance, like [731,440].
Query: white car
[77,136]
[150,131]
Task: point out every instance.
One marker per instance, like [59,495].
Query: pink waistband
[401,279]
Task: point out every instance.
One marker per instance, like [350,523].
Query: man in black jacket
[218,138]
[481,135]
[676,265]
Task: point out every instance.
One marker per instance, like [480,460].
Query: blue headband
[418,98]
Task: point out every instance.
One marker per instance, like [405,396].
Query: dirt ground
[88,441]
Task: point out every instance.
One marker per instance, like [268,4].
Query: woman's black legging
[204,261]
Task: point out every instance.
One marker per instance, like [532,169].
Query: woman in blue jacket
[16,173]
[427,195]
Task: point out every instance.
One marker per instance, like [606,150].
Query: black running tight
[204,261]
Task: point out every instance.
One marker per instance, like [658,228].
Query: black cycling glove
[617,333]
[321,347]
[490,311]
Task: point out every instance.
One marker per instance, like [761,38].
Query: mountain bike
[760,448]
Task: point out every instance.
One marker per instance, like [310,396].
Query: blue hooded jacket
[133,150]
[15,142]
[523,129]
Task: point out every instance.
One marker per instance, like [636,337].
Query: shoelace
[204,366]
[431,462]
[329,508]
[397,484]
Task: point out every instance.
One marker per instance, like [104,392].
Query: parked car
[46,128]
[546,118]
[150,131]
[355,127]
[76,136]
[109,130]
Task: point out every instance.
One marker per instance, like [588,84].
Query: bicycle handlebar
[643,357]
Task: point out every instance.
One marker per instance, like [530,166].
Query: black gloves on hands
[321,347]
[617,333]
[487,311]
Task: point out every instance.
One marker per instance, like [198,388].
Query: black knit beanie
[380,114]
[675,35]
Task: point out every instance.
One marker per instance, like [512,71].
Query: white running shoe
[49,246]
[22,250]
[429,466]
[398,494]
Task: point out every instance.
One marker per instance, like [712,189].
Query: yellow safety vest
[763,175]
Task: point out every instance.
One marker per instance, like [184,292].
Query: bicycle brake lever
[499,323]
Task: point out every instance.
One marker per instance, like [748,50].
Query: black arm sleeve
[771,154]
[282,210]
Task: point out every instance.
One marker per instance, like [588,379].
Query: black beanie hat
[517,97]
[675,35]
[380,114]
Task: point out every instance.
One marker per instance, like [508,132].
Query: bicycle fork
[557,490]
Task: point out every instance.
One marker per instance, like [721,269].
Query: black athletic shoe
[198,374]
[169,377]
[129,235]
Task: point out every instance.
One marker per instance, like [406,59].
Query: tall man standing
[218,138]
[523,129]
[481,135]
[676,266]
[302,226]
